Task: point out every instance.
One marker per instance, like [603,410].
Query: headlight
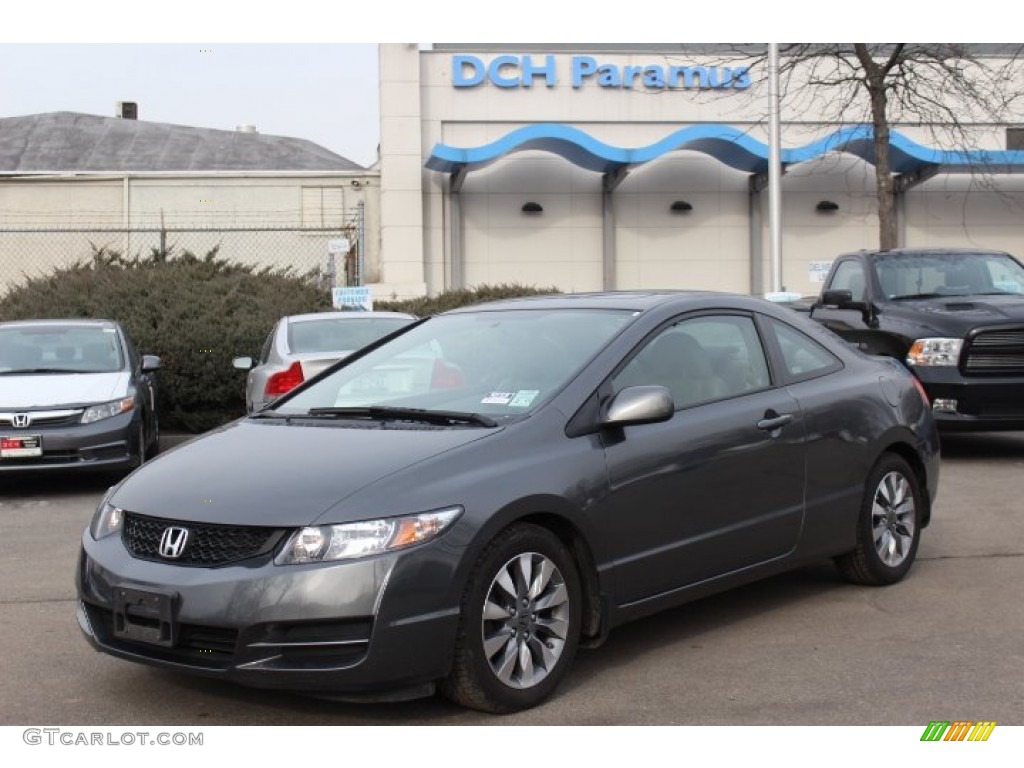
[324,543]
[935,352]
[106,410]
[107,520]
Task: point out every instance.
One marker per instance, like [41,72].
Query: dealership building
[645,166]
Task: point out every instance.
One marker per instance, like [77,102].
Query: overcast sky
[273,69]
[324,93]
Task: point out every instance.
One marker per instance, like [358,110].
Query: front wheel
[520,623]
[889,527]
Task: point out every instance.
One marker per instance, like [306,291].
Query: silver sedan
[301,346]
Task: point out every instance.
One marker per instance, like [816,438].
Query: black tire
[154,439]
[889,525]
[142,445]
[546,623]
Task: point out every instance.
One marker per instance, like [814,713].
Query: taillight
[445,376]
[284,381]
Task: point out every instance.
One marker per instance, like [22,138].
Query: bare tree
[952,89]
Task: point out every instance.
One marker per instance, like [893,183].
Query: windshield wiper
[444,418]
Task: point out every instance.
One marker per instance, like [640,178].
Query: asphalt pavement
[803,648]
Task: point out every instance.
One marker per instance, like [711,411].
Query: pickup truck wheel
[889,526]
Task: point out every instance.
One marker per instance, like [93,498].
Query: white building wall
[34,211]
[707,248]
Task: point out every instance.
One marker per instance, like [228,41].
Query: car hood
[270,473]
[41,390]
[957,315]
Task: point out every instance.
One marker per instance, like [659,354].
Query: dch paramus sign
[527,71]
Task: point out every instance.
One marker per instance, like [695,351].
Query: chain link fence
[333,256]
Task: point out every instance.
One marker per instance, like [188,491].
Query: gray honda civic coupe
[461,506]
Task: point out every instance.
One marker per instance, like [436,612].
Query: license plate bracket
[145,616]
[20,446]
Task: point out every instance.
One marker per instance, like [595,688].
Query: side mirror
[150,363]
[843,299]
[242,363]
[639,405]
[836,298]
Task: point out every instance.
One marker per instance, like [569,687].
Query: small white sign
[353,297]
[338,247]
[817,271]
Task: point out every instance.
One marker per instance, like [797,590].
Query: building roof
[71,142]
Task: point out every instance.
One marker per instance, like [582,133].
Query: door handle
[770,423]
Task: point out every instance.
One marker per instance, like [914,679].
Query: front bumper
[360,628]
[986,403]
[103,445]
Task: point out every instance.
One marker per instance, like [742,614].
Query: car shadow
[983,445]
[53,484]
[686,626]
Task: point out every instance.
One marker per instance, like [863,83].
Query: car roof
[637,301]
[73,321]
[929,252]
[343,315]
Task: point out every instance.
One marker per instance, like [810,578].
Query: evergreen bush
[432,305]
[196,313]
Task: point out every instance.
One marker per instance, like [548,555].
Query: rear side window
[802,356]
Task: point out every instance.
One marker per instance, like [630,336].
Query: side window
[700,360]
[849,276]
[803,357]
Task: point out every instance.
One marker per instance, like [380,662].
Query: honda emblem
[172,542]
[21,420]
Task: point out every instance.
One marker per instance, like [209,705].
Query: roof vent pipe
[126,110]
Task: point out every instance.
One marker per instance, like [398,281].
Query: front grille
[43,418]
[999,352]
[208,545]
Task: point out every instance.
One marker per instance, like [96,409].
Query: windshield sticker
[498,398]
[524,397]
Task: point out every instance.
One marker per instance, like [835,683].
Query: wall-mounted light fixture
[532,207]
[826,206]
[680,206]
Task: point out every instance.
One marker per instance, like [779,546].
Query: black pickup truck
[955,317]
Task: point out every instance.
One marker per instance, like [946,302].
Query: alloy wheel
[525,620]
[893,519]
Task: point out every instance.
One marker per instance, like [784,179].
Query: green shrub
[432,305]
[195,313]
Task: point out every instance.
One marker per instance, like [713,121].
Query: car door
[718,487]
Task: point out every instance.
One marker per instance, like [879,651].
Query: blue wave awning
[725,143]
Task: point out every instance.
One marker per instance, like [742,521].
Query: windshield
[59,349]
[340,334]
[953,274]
[497,363]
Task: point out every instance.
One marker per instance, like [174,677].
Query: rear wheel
[154,438]
[142,445]
[889,527]
[520,623]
